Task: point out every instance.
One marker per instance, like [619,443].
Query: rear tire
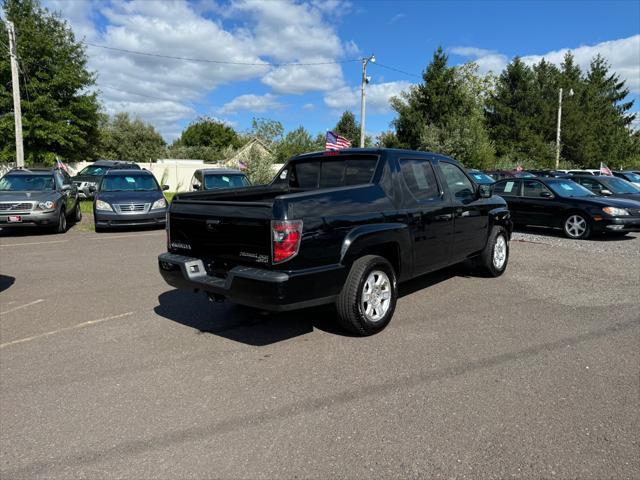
[494,258]
[368,298]
[77,216]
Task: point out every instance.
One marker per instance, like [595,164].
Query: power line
[223,62]
[378,64]
[138,94]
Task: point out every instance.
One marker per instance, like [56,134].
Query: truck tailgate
[222,233]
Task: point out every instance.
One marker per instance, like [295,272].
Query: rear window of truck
[339,171]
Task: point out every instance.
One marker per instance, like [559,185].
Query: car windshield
[212,182]
[481,178]
[26,183]
[617,185]
[129,183]
[632,177]
[569,188]
[93,170]
[525,175]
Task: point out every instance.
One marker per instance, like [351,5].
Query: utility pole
[15,84]
[365,81]
[559,126]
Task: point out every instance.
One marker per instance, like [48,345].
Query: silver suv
[38,198]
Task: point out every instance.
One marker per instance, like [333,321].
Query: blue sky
[403,35]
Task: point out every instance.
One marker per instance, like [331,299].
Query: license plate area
[14,218]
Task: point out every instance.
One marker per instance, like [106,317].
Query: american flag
[604,170]
[60,164]
[336,142]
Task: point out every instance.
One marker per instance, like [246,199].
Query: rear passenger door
[509,190]
[471,214]
[538,204]
[430,215]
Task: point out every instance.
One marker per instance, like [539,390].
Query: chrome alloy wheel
[575,226]
[499,252]
[376,296]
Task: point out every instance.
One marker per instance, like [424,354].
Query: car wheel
[577,226]
[368,298]
[77,216]
[61,227]
[495,256]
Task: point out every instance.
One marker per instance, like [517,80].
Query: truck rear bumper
[259,288]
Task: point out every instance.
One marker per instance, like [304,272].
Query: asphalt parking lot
[107,372]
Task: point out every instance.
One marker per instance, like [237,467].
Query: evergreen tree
[59,117]
[512,117]
[349,128]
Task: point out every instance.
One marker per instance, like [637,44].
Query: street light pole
[558,131]
[15,85]
[559,126]
[364,82]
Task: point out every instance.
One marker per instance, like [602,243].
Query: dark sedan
[607,186]
[562,203]
[480,178]
[128,198]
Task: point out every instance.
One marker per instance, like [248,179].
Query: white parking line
[22,306]
[30,243]
[66,329]
[128,236]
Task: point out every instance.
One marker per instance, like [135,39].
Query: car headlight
[160,203]
[48,205]
[615,212]
[101,205]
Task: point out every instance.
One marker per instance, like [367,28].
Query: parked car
[480,178]
[38,198]
[500,174]
[629,176]
[606,186]
[127,198]
[562,203]
[340,227]
[216,178]
[91,175]
[595,173]
[548,173]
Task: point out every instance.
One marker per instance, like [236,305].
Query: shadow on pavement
[6,281]
[253,327]
[557,233]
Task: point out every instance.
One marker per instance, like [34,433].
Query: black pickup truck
[336,227]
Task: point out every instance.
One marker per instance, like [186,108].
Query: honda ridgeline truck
[341,227]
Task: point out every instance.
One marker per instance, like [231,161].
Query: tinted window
[419,177]
[569,188]
[459,185]
[592,185]
[212,182]
[332,172]
[115,183]
[93,170]
[26,183]
[531,188]
[507,188]
[619,186]
[632,177]
[481,178]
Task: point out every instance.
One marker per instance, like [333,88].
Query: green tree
[268,131]
[513,117]
[259,166]
[124,139]
[294,143]
[59,117]
[207,132]
[348,128]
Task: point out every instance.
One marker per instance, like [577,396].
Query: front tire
[577,226]
[494,258]
[61,227]
[368,298]
[77,215]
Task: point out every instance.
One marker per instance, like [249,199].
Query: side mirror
[165,187]
[65,188]
[484,191]
[92,189]
[606,192]
[546,195]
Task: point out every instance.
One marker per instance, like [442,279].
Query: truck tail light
[286,236]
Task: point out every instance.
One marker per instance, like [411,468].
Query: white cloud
[397,17]
[280,32]
[378,96]
[254,103]
[622,54]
